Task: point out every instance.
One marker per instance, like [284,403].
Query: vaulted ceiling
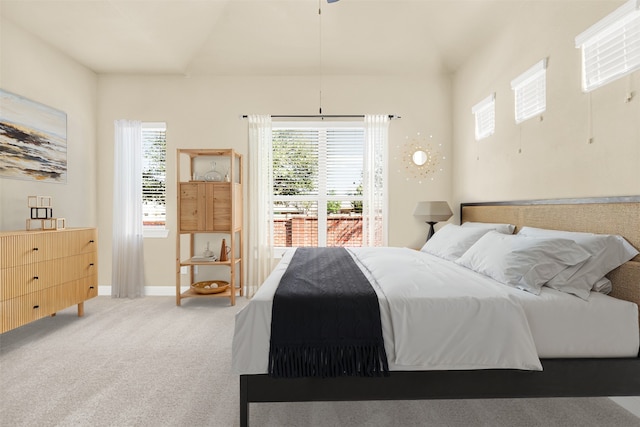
[266,37]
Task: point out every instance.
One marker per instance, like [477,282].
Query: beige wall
[556,159]
[204,112]
[33,70]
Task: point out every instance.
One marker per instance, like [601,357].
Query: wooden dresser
[42,272]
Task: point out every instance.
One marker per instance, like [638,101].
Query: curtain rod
[323,116]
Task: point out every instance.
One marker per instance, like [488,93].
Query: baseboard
[150,291]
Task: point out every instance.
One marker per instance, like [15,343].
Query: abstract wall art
[33,140]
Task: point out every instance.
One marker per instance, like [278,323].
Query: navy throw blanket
[325,319]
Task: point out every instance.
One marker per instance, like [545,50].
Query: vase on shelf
[224,251]
[213,175]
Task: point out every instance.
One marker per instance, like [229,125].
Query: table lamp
[432,213]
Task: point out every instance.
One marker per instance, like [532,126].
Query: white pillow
[500,228]
[607,252]
[523,262]
[451,241]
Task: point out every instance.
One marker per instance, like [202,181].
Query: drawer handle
[36,306]
[91,265]
[35,277]
[91,287]
[92,241]
[35,249]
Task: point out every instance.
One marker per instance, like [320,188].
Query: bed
[584,375]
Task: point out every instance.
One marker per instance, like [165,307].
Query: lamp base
[431,229]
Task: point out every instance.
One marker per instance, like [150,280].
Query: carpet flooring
[146,362]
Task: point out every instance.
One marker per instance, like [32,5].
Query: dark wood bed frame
[559,377]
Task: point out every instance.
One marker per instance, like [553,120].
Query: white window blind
[529,90]
[611,47]
[485,117]
[317,184]
[154,155]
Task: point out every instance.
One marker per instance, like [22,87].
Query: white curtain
[127,273]
[260,202]
[374,187]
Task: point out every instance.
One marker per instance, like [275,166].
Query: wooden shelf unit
[209,207]
[42,272]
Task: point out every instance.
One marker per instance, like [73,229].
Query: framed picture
[33,140]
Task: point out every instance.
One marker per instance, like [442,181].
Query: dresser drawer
[73,292]
[18,311]
[85,288]
[77,242]
[27,308]
[29,278]
[26,279]
[31,247]
[20,249]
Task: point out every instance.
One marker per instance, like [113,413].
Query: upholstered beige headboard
[611,215]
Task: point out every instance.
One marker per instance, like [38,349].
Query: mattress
[556,324]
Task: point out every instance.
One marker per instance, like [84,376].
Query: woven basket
[199,287]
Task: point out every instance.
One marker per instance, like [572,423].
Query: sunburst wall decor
[421,157]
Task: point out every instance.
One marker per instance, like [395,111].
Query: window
[154,154]
[318,184]
[530,92]
[611,47]
[485,114]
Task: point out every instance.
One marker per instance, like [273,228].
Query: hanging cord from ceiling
[320,115]
[320,55]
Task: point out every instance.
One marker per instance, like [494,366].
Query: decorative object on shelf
[42,214]
[208,253]
[37,135]
[224,251]
[432,213]
[198,258]
[48,224]
[210,287]
[420,158]
[207,256]
[41,207]
[213,175]
[39,201]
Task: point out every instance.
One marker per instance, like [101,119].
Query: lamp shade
[433,211]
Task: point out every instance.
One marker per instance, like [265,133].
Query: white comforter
[435,315]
